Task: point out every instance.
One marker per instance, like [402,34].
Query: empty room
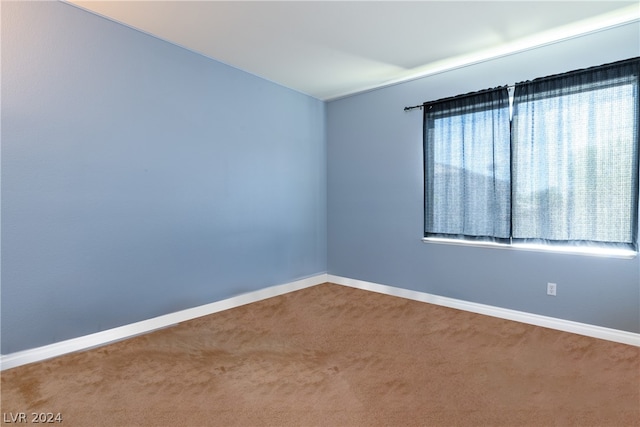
[333,213]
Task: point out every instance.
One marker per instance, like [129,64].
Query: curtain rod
[413,108]
[537,80]
[459,96]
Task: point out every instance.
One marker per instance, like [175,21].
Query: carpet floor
[330,355]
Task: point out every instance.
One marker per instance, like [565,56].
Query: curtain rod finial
[412,108]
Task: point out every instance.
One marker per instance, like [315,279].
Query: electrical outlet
[551,289]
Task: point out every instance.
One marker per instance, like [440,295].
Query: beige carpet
[335,356]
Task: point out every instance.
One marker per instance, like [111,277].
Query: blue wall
[139,178]
[375,213]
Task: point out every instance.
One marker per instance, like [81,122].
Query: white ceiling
[331,49]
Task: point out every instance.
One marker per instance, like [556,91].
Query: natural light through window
[551,166]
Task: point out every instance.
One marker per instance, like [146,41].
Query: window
[562,171]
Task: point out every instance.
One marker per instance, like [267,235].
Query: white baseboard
[609,334]
[127,331]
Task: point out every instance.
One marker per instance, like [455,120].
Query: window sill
[570,250]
